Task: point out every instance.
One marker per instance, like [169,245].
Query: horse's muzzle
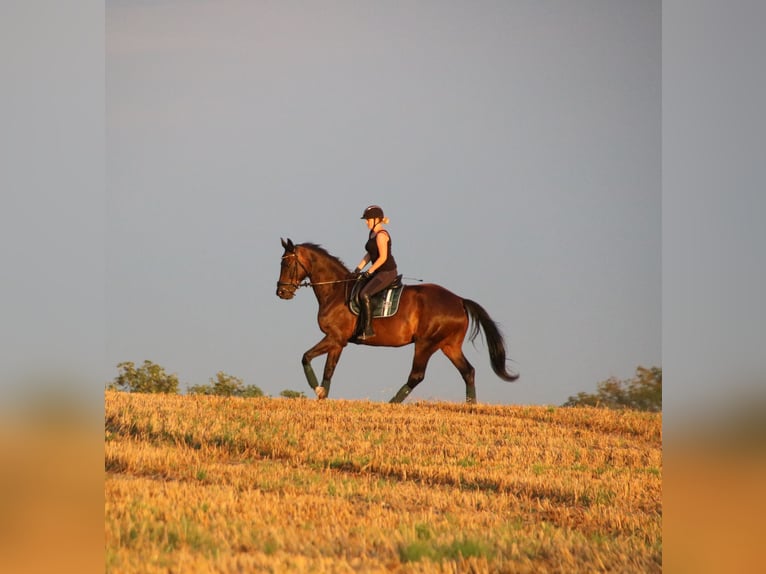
[285,291]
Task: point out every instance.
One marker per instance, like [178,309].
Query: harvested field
[211,484]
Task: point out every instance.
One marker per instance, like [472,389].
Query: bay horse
[429,316]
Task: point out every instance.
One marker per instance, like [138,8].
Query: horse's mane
[322,251]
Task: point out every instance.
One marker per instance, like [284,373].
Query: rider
[382,271]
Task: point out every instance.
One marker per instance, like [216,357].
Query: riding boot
[364,329]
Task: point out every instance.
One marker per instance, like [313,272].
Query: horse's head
[292,271]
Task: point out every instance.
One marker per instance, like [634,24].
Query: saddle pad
[384,304]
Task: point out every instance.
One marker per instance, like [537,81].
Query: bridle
[294,273]
[306,283]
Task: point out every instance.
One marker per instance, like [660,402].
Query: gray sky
[516,147]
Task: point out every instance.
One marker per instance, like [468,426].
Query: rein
[312,284]
[308,283]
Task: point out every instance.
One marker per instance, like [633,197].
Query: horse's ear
[288,245]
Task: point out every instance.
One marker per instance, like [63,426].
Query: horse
[429,316]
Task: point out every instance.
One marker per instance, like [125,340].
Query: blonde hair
[385,220]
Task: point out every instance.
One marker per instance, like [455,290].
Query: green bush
[224,385]
[288,394]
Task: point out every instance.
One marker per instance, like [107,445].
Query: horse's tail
[495,341]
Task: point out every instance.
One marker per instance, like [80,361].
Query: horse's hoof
[321,392]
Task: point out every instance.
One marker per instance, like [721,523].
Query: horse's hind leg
[423,352]
[455,354]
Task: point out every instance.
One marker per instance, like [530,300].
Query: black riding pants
[379,281]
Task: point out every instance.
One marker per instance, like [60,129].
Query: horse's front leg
[333,350]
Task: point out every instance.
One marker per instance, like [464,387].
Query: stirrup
[367,332]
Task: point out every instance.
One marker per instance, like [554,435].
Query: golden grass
[209,484]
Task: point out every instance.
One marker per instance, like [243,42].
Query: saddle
[384,303]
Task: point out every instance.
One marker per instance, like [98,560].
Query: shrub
[288,394]
[224,385]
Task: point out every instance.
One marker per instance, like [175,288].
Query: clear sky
[515,146]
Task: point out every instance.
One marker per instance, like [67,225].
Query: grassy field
[210,484]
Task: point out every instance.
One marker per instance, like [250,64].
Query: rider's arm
[365,260]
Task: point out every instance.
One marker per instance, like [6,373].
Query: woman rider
[382,271]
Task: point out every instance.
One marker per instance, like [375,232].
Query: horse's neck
[323,270]
[328,278]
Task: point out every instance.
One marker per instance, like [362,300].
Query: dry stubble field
[211,484]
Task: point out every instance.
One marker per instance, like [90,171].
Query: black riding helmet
[373,212]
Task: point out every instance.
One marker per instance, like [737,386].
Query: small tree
[224,385]
[148,378]
[643,392]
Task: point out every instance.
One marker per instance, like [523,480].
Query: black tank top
[372,248]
